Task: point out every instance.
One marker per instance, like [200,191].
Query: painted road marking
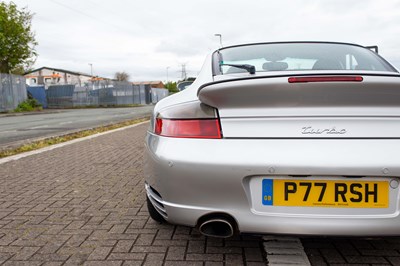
[8,131]
[39,127]
[64,123]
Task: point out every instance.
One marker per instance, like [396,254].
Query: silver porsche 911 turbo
[284,138]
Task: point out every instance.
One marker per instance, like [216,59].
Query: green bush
[28,105]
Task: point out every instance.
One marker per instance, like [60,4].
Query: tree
[17,40]
[121,76]
[171,86]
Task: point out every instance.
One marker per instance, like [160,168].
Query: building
[56,76]
[153,84]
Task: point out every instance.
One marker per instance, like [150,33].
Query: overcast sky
[144,37]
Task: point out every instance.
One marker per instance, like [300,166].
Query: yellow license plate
[325,193]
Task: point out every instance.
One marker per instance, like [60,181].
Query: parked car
[284,138]
[183,85]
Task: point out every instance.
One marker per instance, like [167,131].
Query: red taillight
[188,128]
[326,79]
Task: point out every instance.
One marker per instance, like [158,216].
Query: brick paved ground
[84,204]
[352,251]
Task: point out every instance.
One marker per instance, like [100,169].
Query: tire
[153,212]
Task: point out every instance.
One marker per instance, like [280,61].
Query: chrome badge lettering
[318,131]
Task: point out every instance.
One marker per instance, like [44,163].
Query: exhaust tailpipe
[217,227]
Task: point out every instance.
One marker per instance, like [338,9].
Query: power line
[101,6]
[89,16]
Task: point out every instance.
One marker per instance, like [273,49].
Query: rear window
[300,57]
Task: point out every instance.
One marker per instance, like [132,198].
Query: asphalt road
[16,129]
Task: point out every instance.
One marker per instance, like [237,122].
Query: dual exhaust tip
[220,227]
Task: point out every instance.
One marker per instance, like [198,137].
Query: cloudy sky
[146,37]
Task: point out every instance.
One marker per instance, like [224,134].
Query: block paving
[84,204]
[352,251]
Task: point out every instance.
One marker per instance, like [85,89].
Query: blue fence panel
[39,93]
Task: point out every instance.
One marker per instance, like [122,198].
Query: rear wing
[373,48]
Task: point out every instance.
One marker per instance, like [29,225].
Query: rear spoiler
[373,48]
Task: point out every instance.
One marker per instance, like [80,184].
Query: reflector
[325,79]
[190,128]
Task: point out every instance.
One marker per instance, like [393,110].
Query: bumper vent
[156,200]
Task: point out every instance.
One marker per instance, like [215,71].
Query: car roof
[288,42]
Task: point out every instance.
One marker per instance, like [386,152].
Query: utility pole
[91,75]
[91,69]
[183,72]
[220,38]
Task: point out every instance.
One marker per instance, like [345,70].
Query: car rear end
[281,151]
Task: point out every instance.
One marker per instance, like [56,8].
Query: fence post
[140,98]
[12,91]
[2,93]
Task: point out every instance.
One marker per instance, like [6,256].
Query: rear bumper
[200,177]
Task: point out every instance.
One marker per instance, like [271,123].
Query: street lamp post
[91,69]
[220,38]
[91,75]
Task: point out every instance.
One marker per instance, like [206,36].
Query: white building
[55,76]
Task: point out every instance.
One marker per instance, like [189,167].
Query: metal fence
[60,96]
[114,94]
[12,91]
[158,94]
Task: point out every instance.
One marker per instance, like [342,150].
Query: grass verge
[60,139]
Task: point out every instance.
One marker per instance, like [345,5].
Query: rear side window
[300,57]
